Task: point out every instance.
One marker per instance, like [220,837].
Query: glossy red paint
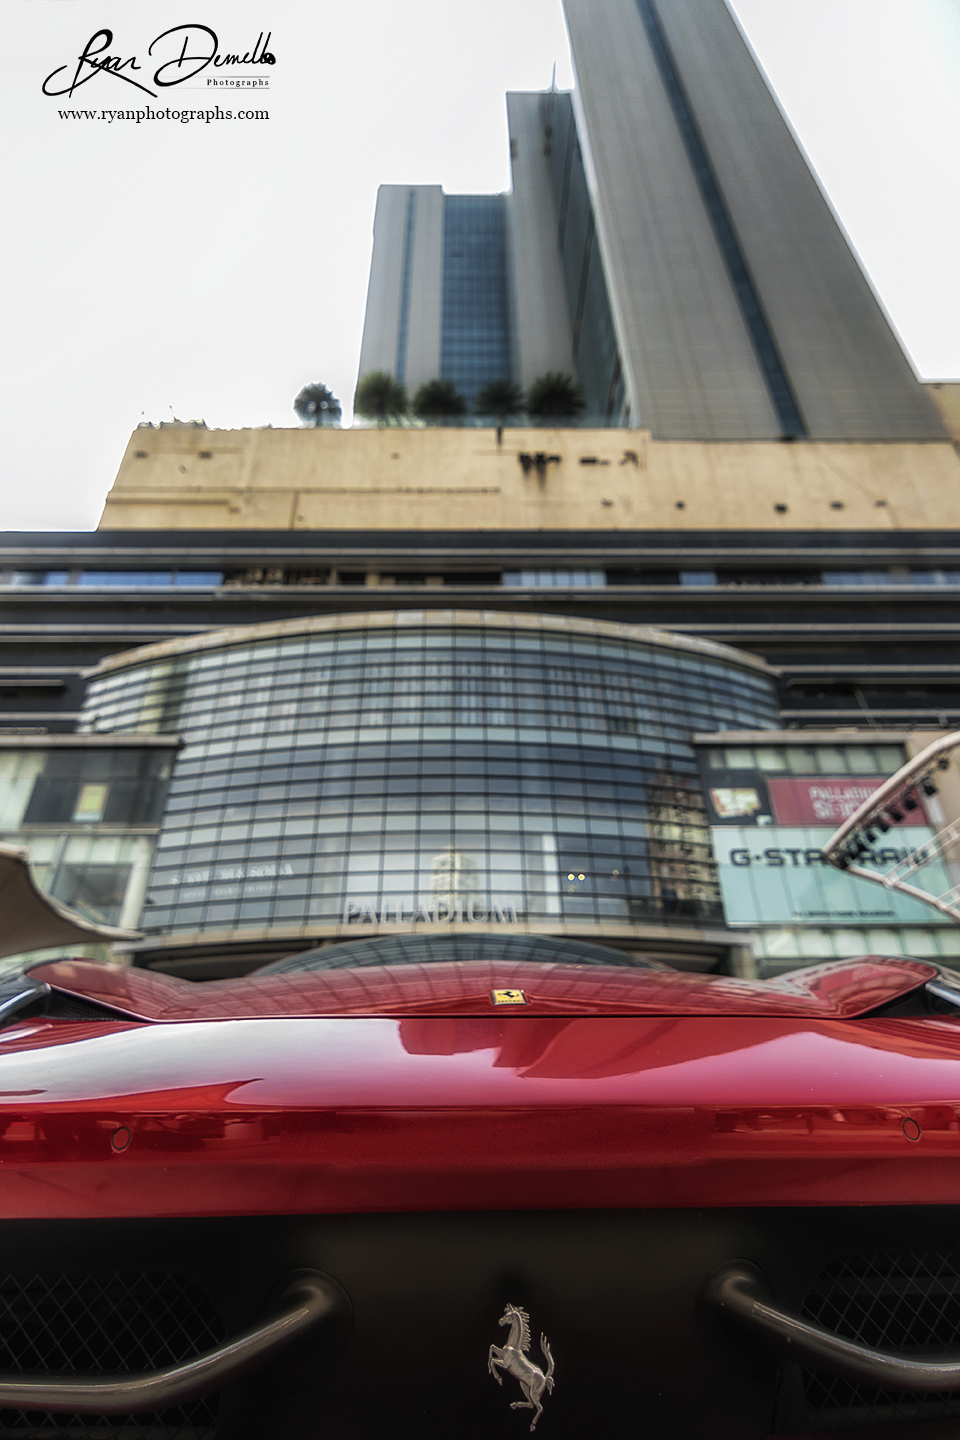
[428,1112]
[839,990]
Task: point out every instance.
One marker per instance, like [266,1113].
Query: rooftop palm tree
[316,405]
[501,398]
[379,397]
[439,400]
[555,396]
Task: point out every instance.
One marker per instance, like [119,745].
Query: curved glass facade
[432,768]
[446,949]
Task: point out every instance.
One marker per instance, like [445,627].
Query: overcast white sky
[211,270]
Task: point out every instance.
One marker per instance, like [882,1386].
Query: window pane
[41,577]
[102,578]
[199,577]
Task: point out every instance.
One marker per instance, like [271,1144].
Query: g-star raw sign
[776,875]
[177,55]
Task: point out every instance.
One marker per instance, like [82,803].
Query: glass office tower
[667,244]
[475,323]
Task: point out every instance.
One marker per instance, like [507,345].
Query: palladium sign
[440,912]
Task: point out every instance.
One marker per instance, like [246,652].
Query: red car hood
[837,991]
[403,1088]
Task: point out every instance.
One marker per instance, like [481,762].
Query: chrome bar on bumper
[305,1301]
[739,1293]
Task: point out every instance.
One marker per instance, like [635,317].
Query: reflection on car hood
[841,990]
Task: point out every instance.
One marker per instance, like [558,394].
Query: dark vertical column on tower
[403,324]
[850,374]
[689,364]
[751,307]
[739,304]
[594,341]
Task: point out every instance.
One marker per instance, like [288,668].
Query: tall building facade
[667,243]
[838,564]
[308,686]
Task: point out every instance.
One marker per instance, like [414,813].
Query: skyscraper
[666,240]
[437,303]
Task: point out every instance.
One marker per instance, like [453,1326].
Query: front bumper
[617,1294]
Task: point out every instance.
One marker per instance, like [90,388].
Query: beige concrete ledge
[185,477]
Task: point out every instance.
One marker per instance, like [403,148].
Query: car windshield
[436,949]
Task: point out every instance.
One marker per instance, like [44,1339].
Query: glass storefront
[360,771]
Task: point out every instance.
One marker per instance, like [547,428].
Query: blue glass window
[475,335]
[101,578]
[554,578]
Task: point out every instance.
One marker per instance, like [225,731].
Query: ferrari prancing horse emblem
[514,1359]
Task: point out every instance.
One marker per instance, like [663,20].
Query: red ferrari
[476,1186]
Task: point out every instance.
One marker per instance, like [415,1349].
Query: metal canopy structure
[930,873]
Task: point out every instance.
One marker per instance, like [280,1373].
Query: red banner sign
[817,800]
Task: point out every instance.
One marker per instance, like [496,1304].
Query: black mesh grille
[69,1007]
[904,1300]
[105,1323]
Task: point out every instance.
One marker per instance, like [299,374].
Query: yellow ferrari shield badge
[508,997]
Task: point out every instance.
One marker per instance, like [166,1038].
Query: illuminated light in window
[91,803]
